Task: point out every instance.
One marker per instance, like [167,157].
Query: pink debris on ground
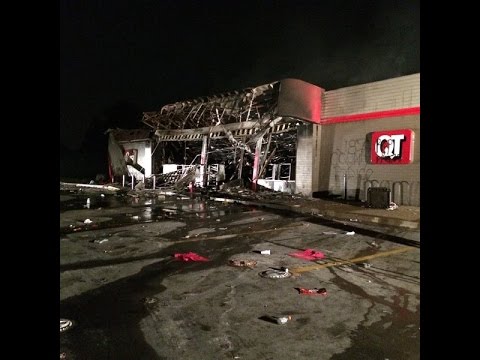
[190,256]
[308,254]
[315,291]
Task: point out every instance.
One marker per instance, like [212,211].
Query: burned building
[296,137]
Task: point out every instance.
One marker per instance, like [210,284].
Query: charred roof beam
[237,130]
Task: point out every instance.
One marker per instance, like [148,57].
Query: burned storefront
[248,136]
[291,136]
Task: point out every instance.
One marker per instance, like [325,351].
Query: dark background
[119,58]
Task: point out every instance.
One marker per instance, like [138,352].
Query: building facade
[336,143]
[368,136]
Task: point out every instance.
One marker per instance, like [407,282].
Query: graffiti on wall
[349,164]
[402,192]
[351,167]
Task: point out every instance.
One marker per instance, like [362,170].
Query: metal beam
[247,128]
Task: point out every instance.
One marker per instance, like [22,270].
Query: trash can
[378,197]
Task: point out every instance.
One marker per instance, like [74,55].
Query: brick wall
[396,93]
[304,161]
[345,149]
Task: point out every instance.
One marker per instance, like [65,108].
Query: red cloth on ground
[190,256]
[308,254]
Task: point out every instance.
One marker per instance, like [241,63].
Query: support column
[148,159]
[306,178]
[203,161]
[256,163]
[240,163]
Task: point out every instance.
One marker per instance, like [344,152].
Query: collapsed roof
[287,100]
[238,119]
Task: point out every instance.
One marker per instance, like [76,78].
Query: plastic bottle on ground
[281,320]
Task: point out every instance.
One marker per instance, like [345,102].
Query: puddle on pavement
[147,210]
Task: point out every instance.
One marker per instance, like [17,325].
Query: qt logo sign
[392,147]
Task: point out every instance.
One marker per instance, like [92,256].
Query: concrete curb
[374,219]
[334,214]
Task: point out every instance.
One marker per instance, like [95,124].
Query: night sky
[119,58]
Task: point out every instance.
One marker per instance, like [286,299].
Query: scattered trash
[100,241]
[329,233]
[275,274]
[314,291]
[280,320]
[190,256]
[367,265]
[265,252]
[243,263]
[172,211]
[392,206]
[87,221]
[350,233]
[150,300]
[354,220]
[63,355]
[65,324]
[374,244]
[222,199]
[222,228]
[217,220]
[102,195]
[135,217]
[104,187]
[346,268]
[308,254]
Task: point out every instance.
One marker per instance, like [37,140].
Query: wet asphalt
[129,298]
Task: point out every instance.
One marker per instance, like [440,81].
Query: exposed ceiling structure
[238,106]
[235,121]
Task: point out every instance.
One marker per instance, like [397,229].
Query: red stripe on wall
[371,115]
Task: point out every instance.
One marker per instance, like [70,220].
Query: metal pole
[123,180]
[345,185]
[204,161]
[250,107]
[154,181]
[133,182]
[240,163]
[256,163]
